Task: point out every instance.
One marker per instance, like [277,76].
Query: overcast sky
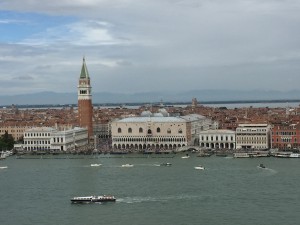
[149,45]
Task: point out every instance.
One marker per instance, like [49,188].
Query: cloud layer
[138,45]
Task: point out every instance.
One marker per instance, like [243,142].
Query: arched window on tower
[119,130]
[129,130]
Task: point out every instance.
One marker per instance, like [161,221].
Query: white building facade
[50,139]
[158,131]
[150,133]
[217,139]
[253,136]
[69,139]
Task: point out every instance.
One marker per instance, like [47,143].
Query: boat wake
[133,200]
[268,170]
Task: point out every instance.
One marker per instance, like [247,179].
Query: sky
[133,46]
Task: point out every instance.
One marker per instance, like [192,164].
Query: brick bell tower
[85,108]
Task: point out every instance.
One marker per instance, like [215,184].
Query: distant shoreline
[156,103]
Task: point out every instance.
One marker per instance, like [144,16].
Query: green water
[228,191]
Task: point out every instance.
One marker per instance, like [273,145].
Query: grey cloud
[168,45]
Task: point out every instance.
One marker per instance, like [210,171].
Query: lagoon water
[229,191]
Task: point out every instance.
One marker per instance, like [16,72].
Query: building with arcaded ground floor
[217,139]
[155,131]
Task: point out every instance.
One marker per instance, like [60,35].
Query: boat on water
[204,154]
[186,156]
[2,156]
[294,155]
[262,166]
[93,199]
[127,165]
[166,164]
[240,155]
[286,155]
[199,167]
[3,167]
[96,164]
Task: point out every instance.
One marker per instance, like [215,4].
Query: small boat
[2,156]
[93,199]
[166,164]
[3,167]
[199,167]
[127,165]
[186,156]
[96,164]
[261,166]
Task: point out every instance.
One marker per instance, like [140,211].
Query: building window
[119,130]
[149,131]
[169,131]
[140,130]
[158,130]
[129,130]
[180,131]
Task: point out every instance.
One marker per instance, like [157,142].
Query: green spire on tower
[84,72]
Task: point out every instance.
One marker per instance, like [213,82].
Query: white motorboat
[96,164]
[3,155]
[3,167]
[199,167]
[127,165]
[185,157]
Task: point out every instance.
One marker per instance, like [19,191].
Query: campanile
[85,108]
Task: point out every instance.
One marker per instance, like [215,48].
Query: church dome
[163,111]
[146,113]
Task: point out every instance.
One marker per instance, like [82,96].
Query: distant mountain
[43,98]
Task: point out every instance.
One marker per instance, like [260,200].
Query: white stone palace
[217,139]
[157,131]
[49,139]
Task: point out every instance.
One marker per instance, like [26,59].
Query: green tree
[6,141]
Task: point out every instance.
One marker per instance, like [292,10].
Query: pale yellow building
[17,132]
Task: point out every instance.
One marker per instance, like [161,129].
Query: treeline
[6,141]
